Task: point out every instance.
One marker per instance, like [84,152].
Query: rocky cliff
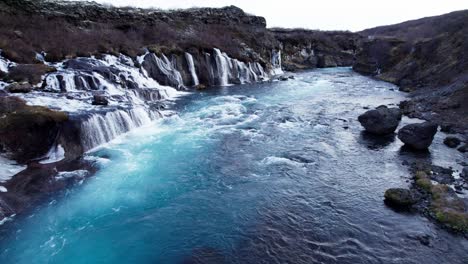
[308,49]
[427,57]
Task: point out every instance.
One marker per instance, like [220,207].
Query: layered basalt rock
[306,49]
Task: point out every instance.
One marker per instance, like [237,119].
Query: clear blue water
[268,173]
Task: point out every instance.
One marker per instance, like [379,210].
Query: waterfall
[100,128]
[222,68]
[64,82]
[131,90]
[276,63]
[3,65]
[191,68]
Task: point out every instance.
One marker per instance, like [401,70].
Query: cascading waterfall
[222,68]
[131,90]
[276,63]
[3,65]
[191,68]
[232,71]
[99,128]
[119,80]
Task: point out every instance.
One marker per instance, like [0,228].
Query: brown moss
[423,181]
[445,206]
[456,220]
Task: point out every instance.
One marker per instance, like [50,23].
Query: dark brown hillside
[69,29]
[428,57]
[422,28]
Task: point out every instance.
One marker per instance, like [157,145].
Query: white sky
[351,15]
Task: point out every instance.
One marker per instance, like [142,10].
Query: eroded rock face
[381,121]
[162,70]
[418,136]
[21,126]
[306,49]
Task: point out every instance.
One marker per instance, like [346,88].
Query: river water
[267,173]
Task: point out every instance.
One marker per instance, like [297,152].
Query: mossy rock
[448,208]
[398,197]
[455,220]
[423,181]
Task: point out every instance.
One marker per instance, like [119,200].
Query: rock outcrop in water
[433,198]
[418,136]
[400,198]
[381,121]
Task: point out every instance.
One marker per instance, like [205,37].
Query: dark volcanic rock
[306,49]
[442,175]
[464,173]
[381,121]
[452,142]
[427,57]
[31,73]
[463,149]
[19,88]
[100,100]
[418,136]
[399,198]
[21,126]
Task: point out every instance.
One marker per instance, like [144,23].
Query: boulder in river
[452,142]
[398,197]
[381,121]
[100,100]
[463,149]
[464,173]
[418,136]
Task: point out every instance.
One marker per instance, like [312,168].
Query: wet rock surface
[39,181]
[418,136]
[400,198]
[381,121]
[100,100]
[19,88]
[27,132]
[452,142]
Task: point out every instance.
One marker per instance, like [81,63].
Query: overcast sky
[351,15]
